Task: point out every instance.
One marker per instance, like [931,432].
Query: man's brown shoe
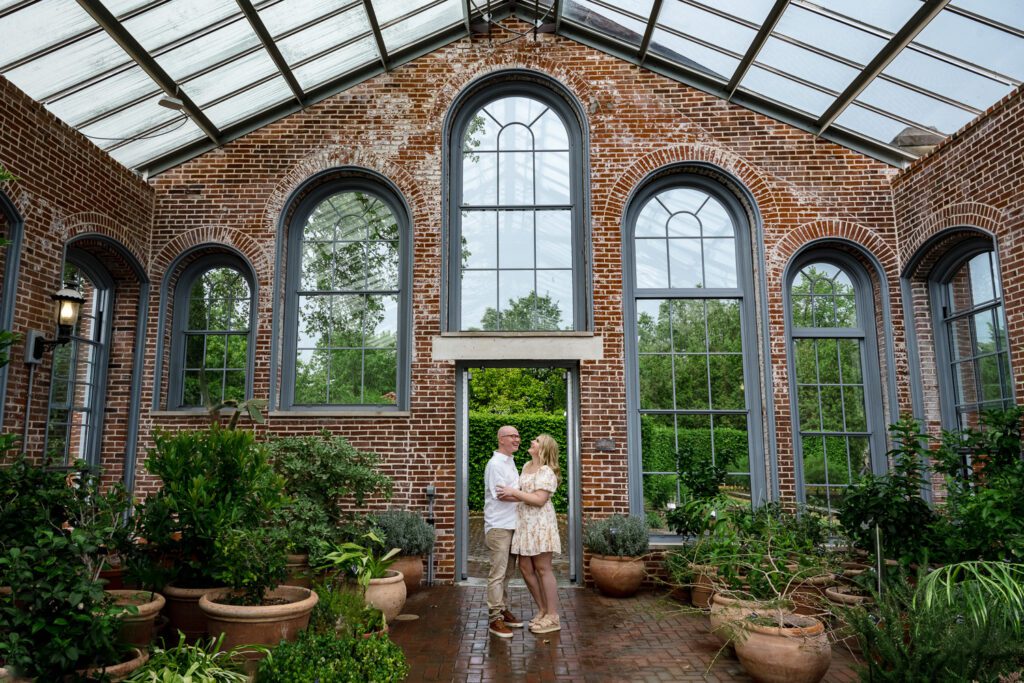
[500,629]
[510,620]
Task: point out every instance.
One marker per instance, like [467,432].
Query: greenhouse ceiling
[156,82]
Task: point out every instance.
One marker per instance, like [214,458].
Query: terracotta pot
[258,624]
[387,594]
[411,567]
[796,652]
[809,593]
[703,585]
[117,672]
[681,594]
[112,575]
[183,613]
[137,629]
[727,612]
[617,576]
[299,572]
[845,597]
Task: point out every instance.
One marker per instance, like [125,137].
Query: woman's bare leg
[548,586]
[527,568]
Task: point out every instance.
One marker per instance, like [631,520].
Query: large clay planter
[843,597]
[726,612]
[616,576]
[411,567]
[703,585]
[299,572]
[796,652]
[183,613]
[809,594]
[387,594]
[137,629]
[117,672]
[258,624]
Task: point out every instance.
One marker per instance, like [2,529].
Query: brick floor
[645,638]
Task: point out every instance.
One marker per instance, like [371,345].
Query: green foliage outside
[483,430]
[530,312]
[329,659]
[517,390]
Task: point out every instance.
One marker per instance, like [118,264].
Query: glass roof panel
[709,27]
[806,65]
[829,35]
[908,104]
[753,11]
[336,63]
[176,19]
[605,20]
[430,21]
[58,70]
[889,15]
[128,123]
[786,91]
[204,52]
[231,77]
[975,42]
[119,8]
[323,35]
[173,136]
[20,34]
[103,96]
[946,79]
[1004,12]
[870,124]
[387,11]
[248,102]
[287,16]
[693,55]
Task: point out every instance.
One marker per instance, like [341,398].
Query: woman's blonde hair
[549,454]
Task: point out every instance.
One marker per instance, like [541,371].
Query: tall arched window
[10,256]
[214,315]
[834,376]
[74,423]
[973,347]
[347,309]
[694,386]
[516,261]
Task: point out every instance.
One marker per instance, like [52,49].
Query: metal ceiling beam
[645,44]
[102,16]
[558,15]
[377,35]
[467,8]
[767,26]
[271,47]
[928,11]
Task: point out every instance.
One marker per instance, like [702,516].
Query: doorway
[535,399]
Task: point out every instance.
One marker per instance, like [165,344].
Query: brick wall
[805,189]
[66,188]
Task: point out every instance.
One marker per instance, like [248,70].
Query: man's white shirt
[500,471]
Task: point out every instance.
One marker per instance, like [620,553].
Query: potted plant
[410,533]
[617,545]
[205,662]
[323,476]
[383,587]
[328,657]
[342,610]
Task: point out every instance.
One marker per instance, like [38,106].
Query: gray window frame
[104,284]
[517,83]
[870,366]
[12,266]
[665,179]
[938,279]
[179,324]
[347,180]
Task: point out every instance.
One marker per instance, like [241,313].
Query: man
[499,525]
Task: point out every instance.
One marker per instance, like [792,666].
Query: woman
[536,536]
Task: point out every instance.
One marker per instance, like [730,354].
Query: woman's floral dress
[536,527]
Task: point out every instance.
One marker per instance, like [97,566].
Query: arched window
[347,309]
[10,255]
[516,261]
[973,347]
[834,376]
[214,315]
[694,386]
[74,422]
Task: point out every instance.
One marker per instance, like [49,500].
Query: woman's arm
[536,499]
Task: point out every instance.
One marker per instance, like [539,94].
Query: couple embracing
[519,519]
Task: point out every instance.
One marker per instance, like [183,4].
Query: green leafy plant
[362,561]
[892,501]
[405,530]
[982,590]
[251,562]
[616,535]
[326,658]
[204,662]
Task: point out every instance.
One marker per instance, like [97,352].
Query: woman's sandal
[548,624]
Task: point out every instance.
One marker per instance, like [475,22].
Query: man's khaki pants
[498,542]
